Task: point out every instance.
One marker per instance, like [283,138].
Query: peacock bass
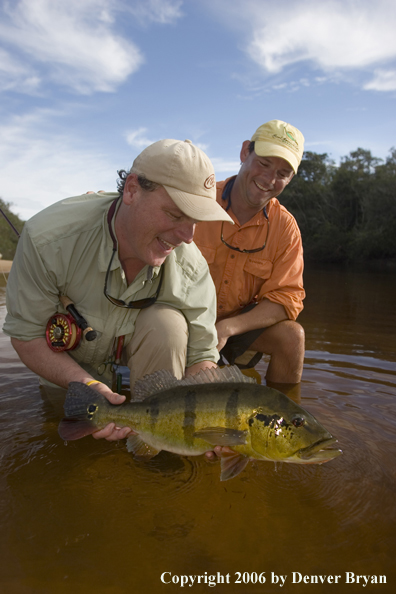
[190,416]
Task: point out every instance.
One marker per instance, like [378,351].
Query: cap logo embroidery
[209,182]
[286,141]
[290,136]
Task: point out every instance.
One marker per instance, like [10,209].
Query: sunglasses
[139,303]
[237,249]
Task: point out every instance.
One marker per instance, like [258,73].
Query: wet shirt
[275,273]
[66,249]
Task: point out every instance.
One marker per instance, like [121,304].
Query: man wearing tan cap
[257,263]
[127,262]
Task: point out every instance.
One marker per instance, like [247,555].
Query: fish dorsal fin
[156,382]
[217,375]
[163,380]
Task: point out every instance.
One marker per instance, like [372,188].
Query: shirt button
[232,256]
[226,282]
[220,307]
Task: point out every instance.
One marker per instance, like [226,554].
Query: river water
[85,518]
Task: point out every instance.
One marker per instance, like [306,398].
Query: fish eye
[298,421]
[92,408]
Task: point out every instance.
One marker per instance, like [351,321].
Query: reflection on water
[85,517]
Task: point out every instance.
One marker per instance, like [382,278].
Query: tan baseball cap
[187,175]
[279,139]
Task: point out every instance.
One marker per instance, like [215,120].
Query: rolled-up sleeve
[189,287]
[201,318]
[32,295]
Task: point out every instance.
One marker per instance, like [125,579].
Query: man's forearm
[193,369]
[58,368]
[265,314]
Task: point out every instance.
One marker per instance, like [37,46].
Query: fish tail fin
[81,405]
[71,429]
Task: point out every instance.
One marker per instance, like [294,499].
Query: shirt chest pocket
[261,269]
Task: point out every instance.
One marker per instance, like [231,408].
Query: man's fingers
[217,452]
[112,433]
[115,398]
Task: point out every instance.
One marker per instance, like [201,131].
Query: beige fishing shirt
[66,249]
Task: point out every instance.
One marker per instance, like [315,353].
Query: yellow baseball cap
[279,139]
[186,173]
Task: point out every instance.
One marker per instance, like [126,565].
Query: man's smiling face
[261,178]
[151,225]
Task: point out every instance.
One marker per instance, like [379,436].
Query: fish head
[291,434]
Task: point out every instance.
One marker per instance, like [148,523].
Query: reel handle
[88,332]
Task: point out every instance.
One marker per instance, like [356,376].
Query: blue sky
[87,84]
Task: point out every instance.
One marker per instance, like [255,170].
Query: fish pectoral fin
[140,449]
[231,465]
[222,436]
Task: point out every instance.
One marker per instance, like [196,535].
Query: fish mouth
[319,452]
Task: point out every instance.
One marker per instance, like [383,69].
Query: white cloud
[74,40]
[384,80]
[164,12]
[222,166]
[39,166]
[332,35]
[14,75]
[138,139]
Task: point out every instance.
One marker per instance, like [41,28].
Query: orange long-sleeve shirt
[275,273]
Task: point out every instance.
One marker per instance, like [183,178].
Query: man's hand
[224,331]
[111,432]
[217,452]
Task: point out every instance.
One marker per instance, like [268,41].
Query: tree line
[346,213]
[8,237]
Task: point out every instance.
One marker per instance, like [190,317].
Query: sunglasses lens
[114,301]
[140,303]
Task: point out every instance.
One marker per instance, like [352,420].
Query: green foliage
[8,237]
[345,213]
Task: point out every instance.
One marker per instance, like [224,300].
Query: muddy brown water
[84,517]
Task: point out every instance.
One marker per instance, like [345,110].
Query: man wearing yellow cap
[257,263]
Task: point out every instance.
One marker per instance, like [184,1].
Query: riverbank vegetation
[8,237]
[346,213]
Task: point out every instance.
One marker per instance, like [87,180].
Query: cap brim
[268,149]
[199,208]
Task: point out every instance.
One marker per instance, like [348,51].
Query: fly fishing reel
[62,333]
